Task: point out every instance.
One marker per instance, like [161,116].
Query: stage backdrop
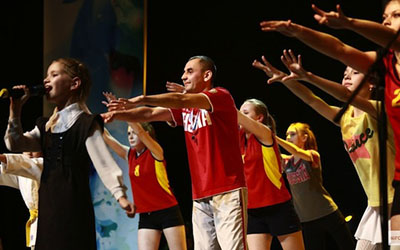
[107,35]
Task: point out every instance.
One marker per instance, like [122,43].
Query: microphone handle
[36,90]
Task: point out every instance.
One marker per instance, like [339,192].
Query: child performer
[69,140]
[379,33]
[23,171]
[154,200]
[359,121]
[319,215]
[270,209]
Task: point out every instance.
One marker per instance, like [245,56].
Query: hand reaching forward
[113,103]
[108,116]
[123,103]
[293,64]
[175,87]
[274,74]
[336,20]
[286,28]
[109,96]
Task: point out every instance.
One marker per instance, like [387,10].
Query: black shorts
[279,219]
[161,219]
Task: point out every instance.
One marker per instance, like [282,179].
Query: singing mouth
[47,89]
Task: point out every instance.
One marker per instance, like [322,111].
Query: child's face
[248,110]
[134,140]
[293,136]
[57,83]
[352,78]
[391,15]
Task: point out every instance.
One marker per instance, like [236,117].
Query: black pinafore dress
[66,215]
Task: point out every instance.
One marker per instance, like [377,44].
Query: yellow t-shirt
[360,138]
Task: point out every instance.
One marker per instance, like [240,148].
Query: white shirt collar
[67,117]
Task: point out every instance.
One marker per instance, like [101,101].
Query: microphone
[36,90]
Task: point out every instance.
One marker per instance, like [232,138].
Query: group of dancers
[240,197]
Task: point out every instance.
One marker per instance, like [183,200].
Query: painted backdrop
[107,35]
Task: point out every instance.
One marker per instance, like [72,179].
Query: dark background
[228,32]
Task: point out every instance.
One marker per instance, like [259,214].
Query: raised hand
[286,28]
[109,96]
[293,64]
[274,74]
[113,103]
[175,87]
[108,116]
[17,103]
[23,98]
[122,103]
[336,20]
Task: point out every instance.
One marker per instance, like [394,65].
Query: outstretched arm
[273,73]
[324,43]
[307,96]
[166,100]
[260,131]
[294,150]
[22,165]
[9,180]
[376,32]
[335,89]
[315,102]
[148,141]
[141,114]
[120,149]
[307,155]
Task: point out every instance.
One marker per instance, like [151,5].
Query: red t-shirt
[263,171]
[212,142]
[392,105]
[149,181]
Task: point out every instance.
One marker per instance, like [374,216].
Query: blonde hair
[148,128]
[75,68]
[261,109]
[304,129]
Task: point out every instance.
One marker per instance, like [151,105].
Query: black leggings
[316,231]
